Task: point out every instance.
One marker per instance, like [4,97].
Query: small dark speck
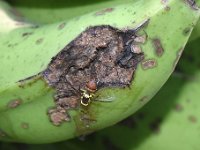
[12,45]
[61,26]
[178,107]
[14,103]
[39,41]
[24,125]
[26,34]
[167,8]
[102,12]
[35,26]
[143,99]
[192,119]
[186,31]
[155,125]
[188,100]
[133,22]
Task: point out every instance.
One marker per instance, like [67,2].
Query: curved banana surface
[158,31]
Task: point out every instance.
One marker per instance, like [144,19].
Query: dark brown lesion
[192,4]
[101,54]
[159,50]
[14,103]
[104,11]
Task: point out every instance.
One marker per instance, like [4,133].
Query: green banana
[172,115]
[26,94]
[169,121]
[45,12]
[33,9]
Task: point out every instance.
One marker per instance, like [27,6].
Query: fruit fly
[86,97]
[88,94]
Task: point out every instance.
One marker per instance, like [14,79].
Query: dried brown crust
[101,54]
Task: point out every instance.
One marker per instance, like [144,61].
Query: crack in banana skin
[102,54]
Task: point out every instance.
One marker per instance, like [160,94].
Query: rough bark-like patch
[101,56]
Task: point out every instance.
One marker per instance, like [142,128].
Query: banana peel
[27,49]
[46,12]
[169,121]
[33,9]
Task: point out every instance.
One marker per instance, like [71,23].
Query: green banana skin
[45,12]
[176,105]
[29,122]
[169,121]
[60,14]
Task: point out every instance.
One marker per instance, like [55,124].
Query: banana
[169,121]
[52,11]
[22,7]
[171,113]
[40,103]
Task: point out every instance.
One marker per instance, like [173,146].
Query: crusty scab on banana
[101,56]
